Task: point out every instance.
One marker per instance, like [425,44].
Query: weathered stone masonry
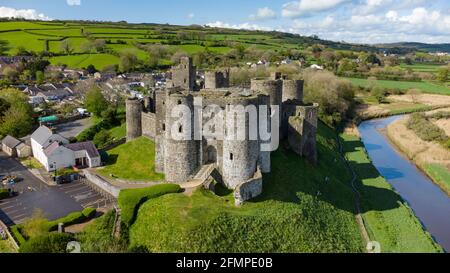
[240,163]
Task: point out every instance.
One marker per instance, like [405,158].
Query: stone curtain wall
[149,125]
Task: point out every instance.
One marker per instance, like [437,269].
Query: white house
[54,151]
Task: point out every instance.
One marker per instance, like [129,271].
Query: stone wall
[217,79]
[303,132]
[101,183]
[149,125]
[249,189]
[183,75]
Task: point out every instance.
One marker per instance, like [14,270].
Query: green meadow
[426,87]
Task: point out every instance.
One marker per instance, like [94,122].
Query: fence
[11,238]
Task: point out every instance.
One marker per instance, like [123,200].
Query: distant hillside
[406,47]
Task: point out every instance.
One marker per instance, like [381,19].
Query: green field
[431,68]
[100,61]
[133,161]
[387,217]
[36,33]
[426,87]
[440,175]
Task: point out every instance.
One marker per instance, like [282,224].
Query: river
[430,204]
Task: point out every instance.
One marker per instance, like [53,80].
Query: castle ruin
[237,164]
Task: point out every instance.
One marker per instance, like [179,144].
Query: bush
[73,218]
[49,243]
[379,94]
[89,213]
[4,193]
[102,139]
[17,234]
[130,200]
[335,96]
[425,129]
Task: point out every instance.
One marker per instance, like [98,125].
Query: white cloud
[74,2]
[30,14]
[302,7]
[191,15]
[417,25]
[264,14]
[248,26]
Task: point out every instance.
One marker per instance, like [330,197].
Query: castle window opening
[164,127]
[231,156]
[180,129]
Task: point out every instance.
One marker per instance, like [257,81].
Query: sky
[355,21]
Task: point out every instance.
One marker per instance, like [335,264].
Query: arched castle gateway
[237,163]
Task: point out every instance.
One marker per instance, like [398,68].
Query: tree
[128,61]
[4,47]
[40,77]
[379,94]
[95,102]
[443,74]
[102,138]
[99,45]
[37,65]
[91,69]
[110,116]
[372,59]
[66,47]
[11,73]
[4,106]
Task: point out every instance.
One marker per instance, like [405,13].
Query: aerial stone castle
[237,164]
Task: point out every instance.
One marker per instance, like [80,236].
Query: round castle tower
[293,90]
[240,156]
[133,117]
[181,157]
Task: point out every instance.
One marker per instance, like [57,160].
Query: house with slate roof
[55,152]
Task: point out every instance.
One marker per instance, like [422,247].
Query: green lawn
[426,87]
[388,218]
[119,132]
[440,175]
[134,160]
[300,211]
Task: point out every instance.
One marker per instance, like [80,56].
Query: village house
[55,152]
[15,147]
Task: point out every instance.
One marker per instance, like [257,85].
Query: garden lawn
[134,160]
[388,219]
[426,87]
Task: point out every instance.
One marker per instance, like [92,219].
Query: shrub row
[17,234]
[4,193]
[425,129]
[73,218]
[130,200]
[48,243]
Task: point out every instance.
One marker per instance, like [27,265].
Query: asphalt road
[54,201]
[74,128]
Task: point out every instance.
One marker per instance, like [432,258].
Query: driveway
[54,201]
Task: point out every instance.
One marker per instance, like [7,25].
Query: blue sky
[361,21]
